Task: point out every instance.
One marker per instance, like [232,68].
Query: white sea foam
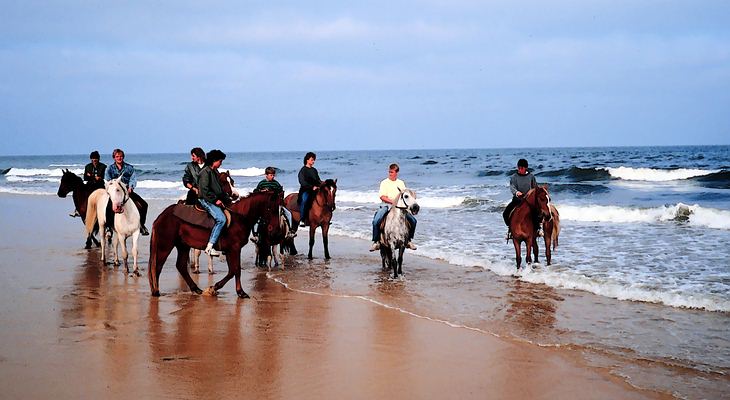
[694,214]
[371,197]
[40,172]
[158,184]
[26,192]
[251,171]
[656,175]
[16,178]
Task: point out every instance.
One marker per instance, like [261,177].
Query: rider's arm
[187,178]
[513,185]
[132,178]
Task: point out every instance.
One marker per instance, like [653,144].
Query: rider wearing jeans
[212,197]
[128,175]
[308,183]
[388,195]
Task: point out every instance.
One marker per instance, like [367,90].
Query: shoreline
[67,319]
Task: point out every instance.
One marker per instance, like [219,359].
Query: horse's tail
[556,226]
[91,216]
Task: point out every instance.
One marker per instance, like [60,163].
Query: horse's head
[226,181]
[407,201]
[118,194]
[69,181]
[541,202]
[328,189]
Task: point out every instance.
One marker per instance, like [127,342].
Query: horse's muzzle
[415,209]
[119,210]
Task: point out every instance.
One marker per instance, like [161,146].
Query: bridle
[403,199]
[125,195]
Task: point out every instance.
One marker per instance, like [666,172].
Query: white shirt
[390,188]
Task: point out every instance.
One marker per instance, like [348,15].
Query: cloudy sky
[272,75]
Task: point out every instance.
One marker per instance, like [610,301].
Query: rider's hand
[519,194]
[219,203]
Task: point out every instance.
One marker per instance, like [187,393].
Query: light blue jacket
[128,174]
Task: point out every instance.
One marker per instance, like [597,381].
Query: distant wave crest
[692,214]
[250,171]
[40,172]
[578,174]
[656,175]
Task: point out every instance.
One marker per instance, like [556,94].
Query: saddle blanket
[197,216]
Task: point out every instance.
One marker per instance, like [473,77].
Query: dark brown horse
[320,215]
[71,182]
[535,205]
[169,231]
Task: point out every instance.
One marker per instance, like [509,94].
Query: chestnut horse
[551,228]
[169,231]
[535,205]
[71,182]
[320,215]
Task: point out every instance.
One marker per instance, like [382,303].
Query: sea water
[646,228]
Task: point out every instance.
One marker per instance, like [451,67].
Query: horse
[396,233]
[270,253]
[551,228]
[226,182]
[126,220]
[535,205]
[320,215]
[169,231]
[71,182]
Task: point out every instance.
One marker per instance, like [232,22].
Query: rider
[520,183]
[93,176]
[269,184]
[190,177]
[212,197]
[388,195]
[308,183]
[128,176]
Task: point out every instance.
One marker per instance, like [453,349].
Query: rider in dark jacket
[190,177]
[94,171]
[308,183]
[212,197]
[519,184]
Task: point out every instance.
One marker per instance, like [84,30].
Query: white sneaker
[540,233]
[375,246]
[411,246]
[209,250]
[74,214]
[509,235]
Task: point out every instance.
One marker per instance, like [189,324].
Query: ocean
[645,230]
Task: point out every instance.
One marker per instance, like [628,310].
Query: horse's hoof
[242,294]
[195,271]
[87,247]
[155,293]
[197,290]
[210,292]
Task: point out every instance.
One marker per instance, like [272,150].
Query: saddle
[197,216]
[382,223]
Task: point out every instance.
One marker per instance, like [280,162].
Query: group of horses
[170,230]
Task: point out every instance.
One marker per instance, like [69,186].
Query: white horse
[395,233]
[126,220]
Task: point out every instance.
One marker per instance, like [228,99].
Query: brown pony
[535,205]
[551,228]
[320,215]
[71,182]
[169,231]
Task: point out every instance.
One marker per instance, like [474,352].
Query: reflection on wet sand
[532,307]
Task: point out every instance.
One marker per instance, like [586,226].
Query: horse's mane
[71,175]
[329,182]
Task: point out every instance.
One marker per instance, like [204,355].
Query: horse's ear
[545,186]
[335,181]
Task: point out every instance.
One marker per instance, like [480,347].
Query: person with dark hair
[128,175]
[212,197]
[519,184]
[93,176]
[390,188]
[94,171]
[269,184]
[190,177]
[308,183]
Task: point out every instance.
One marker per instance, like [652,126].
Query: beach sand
[74,328]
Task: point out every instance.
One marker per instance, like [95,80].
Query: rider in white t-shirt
[388,195]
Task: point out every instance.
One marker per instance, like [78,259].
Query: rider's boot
[411,246]
[375,246]
[74,214]
[143,230]
[509,235]
[209,250]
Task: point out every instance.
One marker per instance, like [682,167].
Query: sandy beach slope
[74,328]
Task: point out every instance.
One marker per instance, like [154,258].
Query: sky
[166,76]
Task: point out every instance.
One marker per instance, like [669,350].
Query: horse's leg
[528,249]
[325,230]
[135,253]
[548,241]
[195,261]
[518,251]
[383,255]
[115,246]
[535,250]
[233,261]
[210,263]
[400,259]
[312,228]
[159,251]
[125,253]
[183,252]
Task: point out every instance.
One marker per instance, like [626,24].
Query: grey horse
[395,233]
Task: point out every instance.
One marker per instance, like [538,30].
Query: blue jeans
[380,214]
[303,205]
[217,214]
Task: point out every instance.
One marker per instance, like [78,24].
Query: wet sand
[74,328]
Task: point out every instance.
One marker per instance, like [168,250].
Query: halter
[125,199]
[401,198]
